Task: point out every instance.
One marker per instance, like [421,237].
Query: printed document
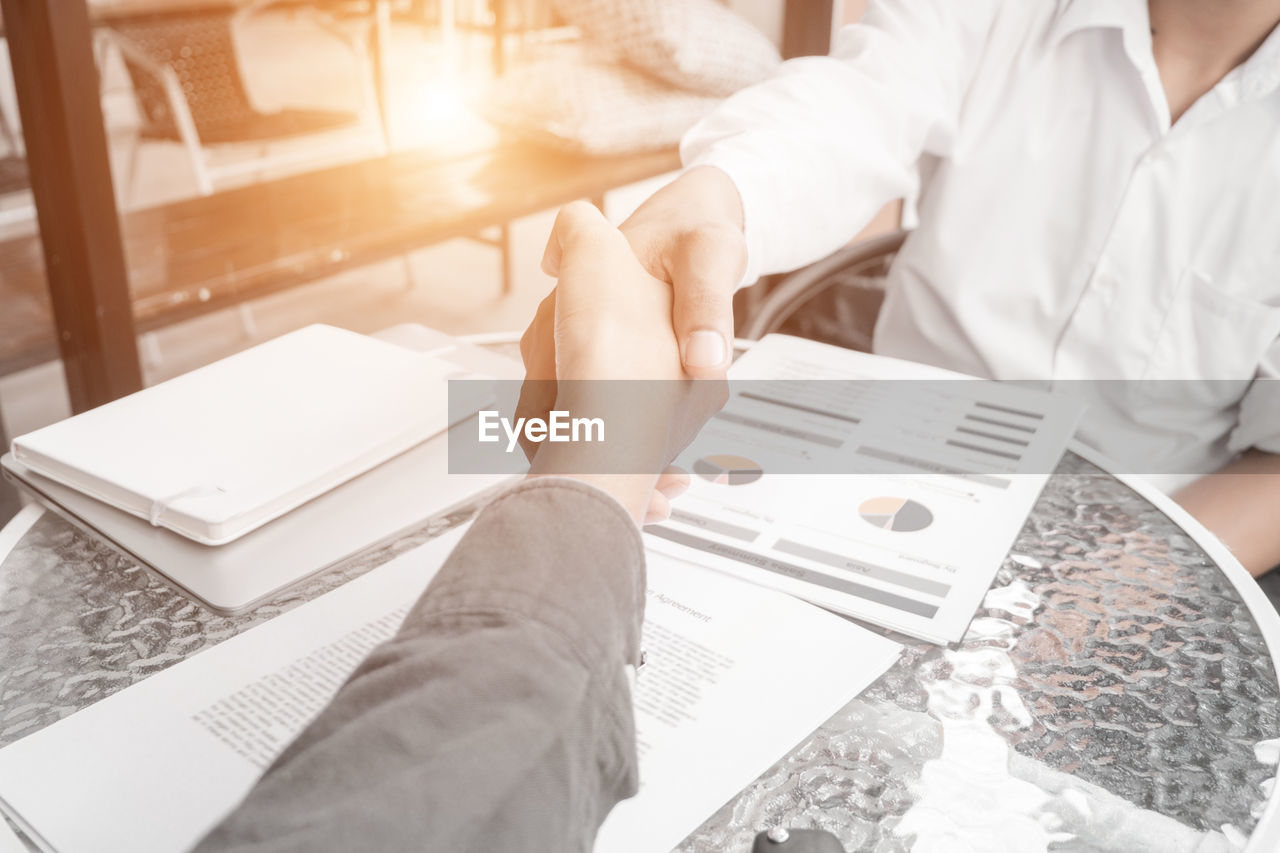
[877,488]
[153,768]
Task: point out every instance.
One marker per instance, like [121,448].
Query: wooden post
[806,28]
[50,47]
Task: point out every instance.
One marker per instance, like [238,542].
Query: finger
[704,267]
[673,482]
[538,343]
[537,398]
[538,350]
[659,508]
[571,221]
[575,222]
[647,247]
[551,256]
[588,243]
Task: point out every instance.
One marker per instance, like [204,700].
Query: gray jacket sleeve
[498,718]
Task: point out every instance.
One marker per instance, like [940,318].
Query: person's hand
[689,235]
[611,322]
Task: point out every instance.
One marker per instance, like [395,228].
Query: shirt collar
[1260,73]
[1076,15]
[1257,76]
[1130,17]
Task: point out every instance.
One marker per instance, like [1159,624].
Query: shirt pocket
[1209,347]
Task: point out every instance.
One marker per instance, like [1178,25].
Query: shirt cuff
[1259,418]
[556,551]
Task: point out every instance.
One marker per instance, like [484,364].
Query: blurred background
[181,179]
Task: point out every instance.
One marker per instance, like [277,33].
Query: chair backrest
[835,300]
[198,46]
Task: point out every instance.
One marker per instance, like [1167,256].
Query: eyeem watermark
[557,427]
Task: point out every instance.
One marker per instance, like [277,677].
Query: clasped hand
[603,344]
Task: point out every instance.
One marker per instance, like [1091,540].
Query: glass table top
[1114,692]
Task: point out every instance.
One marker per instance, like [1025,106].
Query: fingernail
[705,348]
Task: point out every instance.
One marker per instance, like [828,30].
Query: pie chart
[898,514]
[725,469]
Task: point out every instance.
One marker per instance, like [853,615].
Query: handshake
[653,301]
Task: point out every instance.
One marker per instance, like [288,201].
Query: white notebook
[220,451]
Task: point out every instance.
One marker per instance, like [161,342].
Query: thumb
[575,221]
[551,256]
[705,267]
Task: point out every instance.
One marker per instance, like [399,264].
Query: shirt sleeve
[498,718]
[1259,420]
[819,148]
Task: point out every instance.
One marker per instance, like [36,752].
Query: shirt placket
[1137,274]
[1124,303]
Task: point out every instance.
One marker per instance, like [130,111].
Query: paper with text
[737,676]
[153,768]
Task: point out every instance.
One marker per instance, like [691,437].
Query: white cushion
[697,45]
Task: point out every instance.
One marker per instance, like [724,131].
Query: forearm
[816,151]
[1241,505]
[499,716]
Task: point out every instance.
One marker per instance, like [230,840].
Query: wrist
[628,453]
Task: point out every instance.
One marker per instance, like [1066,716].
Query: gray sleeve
[498,718]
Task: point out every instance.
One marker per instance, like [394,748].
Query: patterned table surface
[1113,693]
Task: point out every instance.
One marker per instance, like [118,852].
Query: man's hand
[611,321]
[689,235]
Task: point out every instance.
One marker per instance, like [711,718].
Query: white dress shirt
[1067,229]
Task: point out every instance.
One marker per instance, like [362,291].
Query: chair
[835,300]
[187,83]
